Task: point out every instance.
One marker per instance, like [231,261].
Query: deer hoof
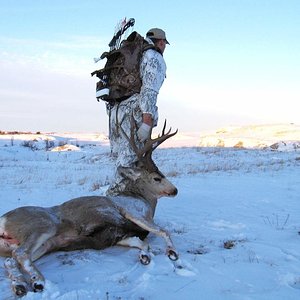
[145,259]
[38,287]
[172,254]
[20,290]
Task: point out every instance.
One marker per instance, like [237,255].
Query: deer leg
[46,247]
[37,280]
[136,242]
[24,256]
[155,229]
[18,282]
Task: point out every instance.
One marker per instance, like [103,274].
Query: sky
[229,62]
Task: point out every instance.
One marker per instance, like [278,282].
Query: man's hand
[144,132]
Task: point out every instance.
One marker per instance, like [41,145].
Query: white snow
[235,221]
[276,136]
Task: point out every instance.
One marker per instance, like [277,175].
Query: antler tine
[139,153]
[151,144]
[161,138]
[164,128]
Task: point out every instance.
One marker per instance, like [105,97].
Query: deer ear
[131,173]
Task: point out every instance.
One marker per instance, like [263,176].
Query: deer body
[86,222]
[92,222]
[76,224]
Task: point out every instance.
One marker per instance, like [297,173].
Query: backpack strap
[150,46]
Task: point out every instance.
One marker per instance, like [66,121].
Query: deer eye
[157,179]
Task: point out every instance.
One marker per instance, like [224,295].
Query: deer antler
[144,154]
[161,138]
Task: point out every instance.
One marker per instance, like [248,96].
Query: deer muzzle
[171,193]
[174,193]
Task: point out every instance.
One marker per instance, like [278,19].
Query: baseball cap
[157,33]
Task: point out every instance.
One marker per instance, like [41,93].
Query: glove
[143,132]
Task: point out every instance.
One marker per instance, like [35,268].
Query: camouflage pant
[120,124]
[120,117]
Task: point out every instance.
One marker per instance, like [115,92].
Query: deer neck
[150,199]
[136,190]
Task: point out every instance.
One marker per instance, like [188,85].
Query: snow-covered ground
[235,221]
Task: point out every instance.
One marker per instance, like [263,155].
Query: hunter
[142,106]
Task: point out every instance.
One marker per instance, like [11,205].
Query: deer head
[145,179]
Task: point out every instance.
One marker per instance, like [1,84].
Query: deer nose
[175,192]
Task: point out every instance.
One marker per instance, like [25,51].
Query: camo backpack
[120,78]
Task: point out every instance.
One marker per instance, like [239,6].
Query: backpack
[120,78]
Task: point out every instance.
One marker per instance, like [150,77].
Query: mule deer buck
[95,222]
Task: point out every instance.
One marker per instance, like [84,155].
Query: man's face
[161,44]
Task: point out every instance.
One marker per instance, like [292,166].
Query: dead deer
[95,222]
